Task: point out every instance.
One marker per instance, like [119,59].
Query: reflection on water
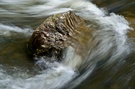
[109,65]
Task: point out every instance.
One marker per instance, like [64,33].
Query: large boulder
[57,33]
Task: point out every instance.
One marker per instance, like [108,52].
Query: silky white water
[109,36]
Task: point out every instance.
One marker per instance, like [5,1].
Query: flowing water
[108,65]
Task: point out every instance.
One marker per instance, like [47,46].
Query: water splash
[8,30]
[110,39]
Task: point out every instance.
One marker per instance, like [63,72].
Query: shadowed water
[108,65]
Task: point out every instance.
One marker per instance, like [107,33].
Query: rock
[58,32]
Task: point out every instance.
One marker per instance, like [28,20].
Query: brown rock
[57,32]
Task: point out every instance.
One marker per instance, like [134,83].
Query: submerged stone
[57,33]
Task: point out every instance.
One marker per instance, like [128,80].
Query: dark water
[110,65]
[118,75]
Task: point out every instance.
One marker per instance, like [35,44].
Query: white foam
[48,79]
[111,33]
[6,30]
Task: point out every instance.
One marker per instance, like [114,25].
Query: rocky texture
[57,32]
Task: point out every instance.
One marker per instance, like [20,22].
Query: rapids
[18,19]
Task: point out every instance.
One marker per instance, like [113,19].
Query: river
[108,65]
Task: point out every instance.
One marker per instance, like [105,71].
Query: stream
[108,65]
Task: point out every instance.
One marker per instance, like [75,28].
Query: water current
[110,64]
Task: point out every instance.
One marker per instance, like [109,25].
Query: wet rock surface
[57,33]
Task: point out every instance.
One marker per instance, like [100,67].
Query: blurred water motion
[109,65]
